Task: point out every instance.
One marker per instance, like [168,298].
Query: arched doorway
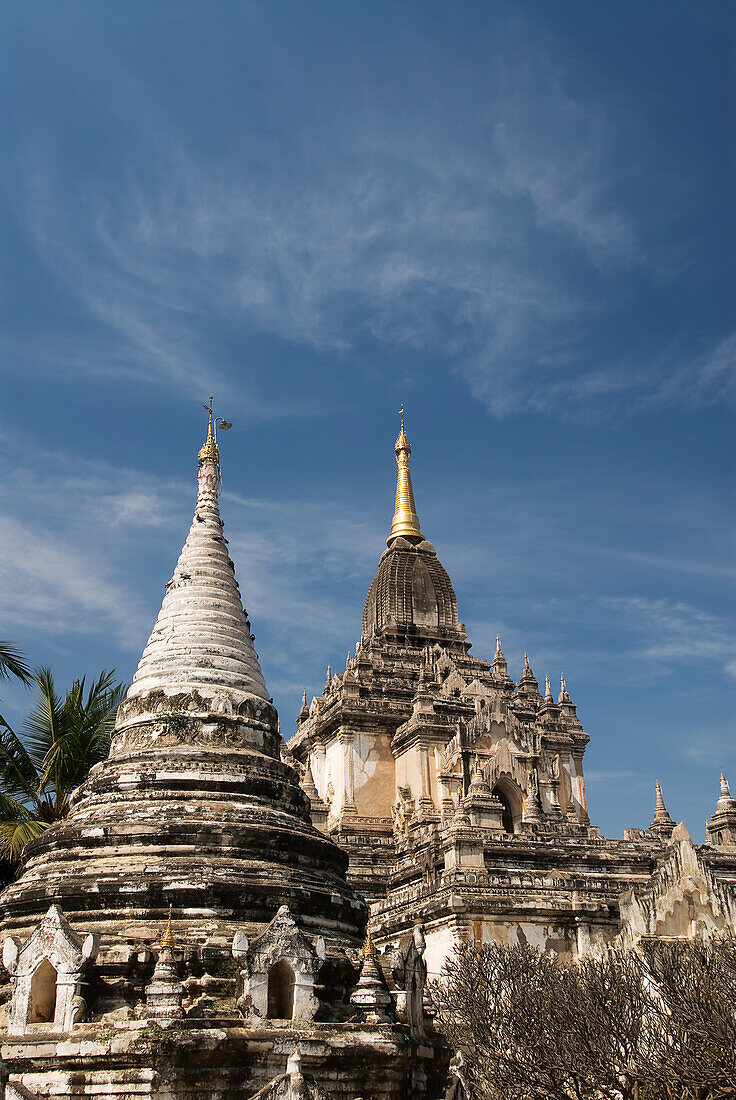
[42,999]
[280,991]
[507,794]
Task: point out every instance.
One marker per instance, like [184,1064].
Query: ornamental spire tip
[209,452]
[369,949]
[405,523]
[167,940]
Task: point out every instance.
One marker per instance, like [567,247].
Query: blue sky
[517,219]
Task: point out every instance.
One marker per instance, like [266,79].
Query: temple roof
[411,587]
[202,637]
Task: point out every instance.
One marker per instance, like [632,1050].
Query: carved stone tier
[219,829]
[194,807]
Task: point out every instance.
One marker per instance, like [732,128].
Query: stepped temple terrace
[228,914]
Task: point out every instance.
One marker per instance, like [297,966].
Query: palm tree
[60,741]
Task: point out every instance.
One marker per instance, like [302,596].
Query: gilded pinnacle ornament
[167,940]
[405,523]
[210,452]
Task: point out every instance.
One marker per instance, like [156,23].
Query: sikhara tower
[458,790]
[186,930]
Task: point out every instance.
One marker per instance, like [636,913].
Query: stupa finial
[369,948]
[210,452]
[406,521]
[661,822]
[167,940]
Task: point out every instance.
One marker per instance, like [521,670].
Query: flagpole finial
[209,452]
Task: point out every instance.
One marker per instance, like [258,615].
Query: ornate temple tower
[459,793]
[391,744]
[194,770]
[194,822]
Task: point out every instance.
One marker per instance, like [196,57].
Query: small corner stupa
[186,930]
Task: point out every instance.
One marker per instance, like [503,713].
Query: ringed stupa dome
[411,591]
[194,807]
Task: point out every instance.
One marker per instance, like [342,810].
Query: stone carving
[164,994]
[682,898]
[409,973]
[533,803]
[370,995]
[47,975]
[401,813]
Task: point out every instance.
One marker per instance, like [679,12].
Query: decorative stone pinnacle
[500,665]
[661,820]
[167,940]
[369,948]
[725,803]
[405,523]
[547,689]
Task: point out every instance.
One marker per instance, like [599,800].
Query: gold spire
[210,451]
[406,521]
[369,948]
[167,940]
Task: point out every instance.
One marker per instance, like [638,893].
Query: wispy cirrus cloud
[498,246]
[670,632]
[50,586]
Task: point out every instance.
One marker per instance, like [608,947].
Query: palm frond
[61,739]
[15,834]
[19,776]
[84,729]
[45,724]
[13,663]
[18,825]
[11,808]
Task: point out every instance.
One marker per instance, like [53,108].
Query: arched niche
[48,974]
[509,795]
[42,999]
[280,991]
